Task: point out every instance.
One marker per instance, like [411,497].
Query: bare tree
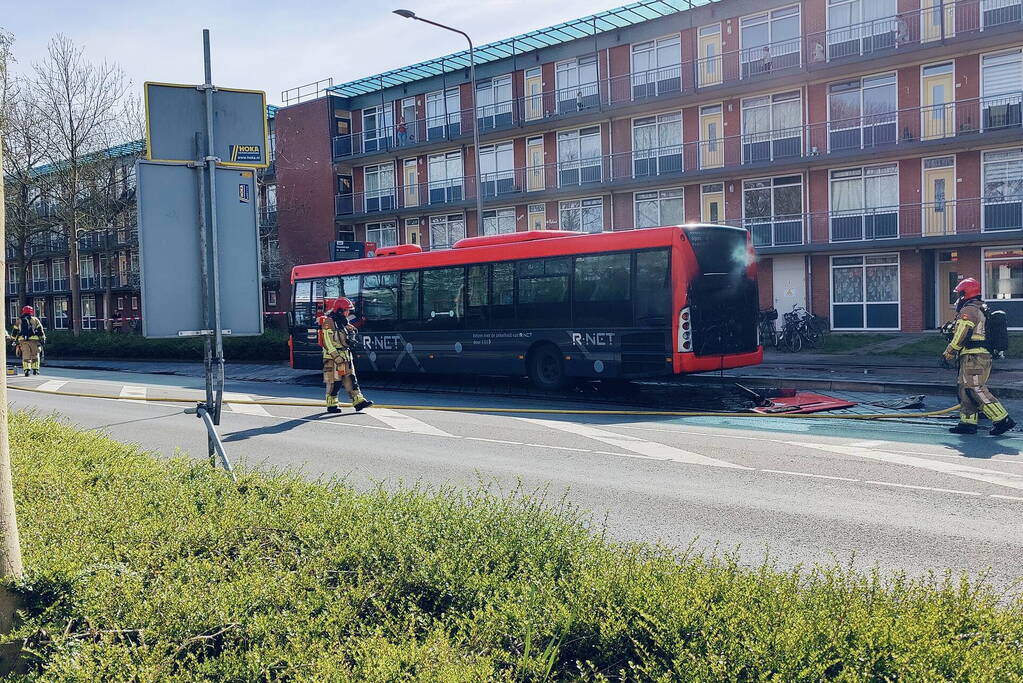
[82,105]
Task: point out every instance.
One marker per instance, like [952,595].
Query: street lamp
[409,14]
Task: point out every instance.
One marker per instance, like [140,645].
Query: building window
[498,221]
[577,84]
[13,310]
[772,127]
[379,187]
[87,273]
[770,41]
[271,298]
[862,113]
[657,144]
[772,210]
[446,178]
[1002,79]
[446,230]
[654,209]
[579,156]
[60,313]
[39,304]
[1003,189]
[999,12]
[383,234]
[865,203]
[537,216]
[497,166]
[582,215]
[39,276]
[13,278]
[857,27]
[120,303]
[657,67]
[1003,274]
[865,292]
[443,114]
[494,102]
[377,127]
[88,312]
[134,303]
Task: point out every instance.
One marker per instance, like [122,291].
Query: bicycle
[766,327]
[791,337]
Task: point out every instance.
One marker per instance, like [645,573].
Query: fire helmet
[28,310]
[968,289]
[340,304]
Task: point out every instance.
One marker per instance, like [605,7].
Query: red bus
[552,305]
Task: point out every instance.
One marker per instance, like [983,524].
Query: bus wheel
[546,371]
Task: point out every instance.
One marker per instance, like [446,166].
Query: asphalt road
[898,496]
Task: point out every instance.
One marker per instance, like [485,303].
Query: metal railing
[268,216]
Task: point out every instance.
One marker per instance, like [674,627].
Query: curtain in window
[647,215]
[787,117]
[847,285]
[847,195]
[882,283]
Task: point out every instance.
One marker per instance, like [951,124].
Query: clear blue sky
[271,44]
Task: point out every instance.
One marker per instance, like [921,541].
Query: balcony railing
[268,216]
[944,23]
[847,141]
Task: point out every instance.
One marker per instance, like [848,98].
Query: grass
[846,343]
[272,345]
[933,345]
[143,569]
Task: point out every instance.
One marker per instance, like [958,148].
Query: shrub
[270,346]
[146,569]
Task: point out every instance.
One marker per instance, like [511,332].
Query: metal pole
[476,138]
[204,266]
[211,166]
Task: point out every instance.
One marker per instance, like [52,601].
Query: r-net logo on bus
[593,338]
[383,342]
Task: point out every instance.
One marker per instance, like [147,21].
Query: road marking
[565,448]
[479,438]
[647,449]
[404,423]
[129,391]
[995,495]
[52,385]
[923,488]
[244,408]
[808,474]
[956,469]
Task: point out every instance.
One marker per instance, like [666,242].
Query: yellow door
[537,216]
[535,162]
[938,114]
[713,203]
[933,25]
[534,94]
[948,278]
[412,231]
[712,153]
[411,182]
[939,196]
[710,55]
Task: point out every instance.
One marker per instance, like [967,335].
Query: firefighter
[338,363]
[968,343]
[30,336]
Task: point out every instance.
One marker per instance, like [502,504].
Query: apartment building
[873,148]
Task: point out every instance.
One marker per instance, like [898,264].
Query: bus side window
[332,287]
[601,293]
[317,299]
[303,311]
[652,295]
[543,291]
[502,295]
[380,301]
[443,298]
[410,318]
[479,297]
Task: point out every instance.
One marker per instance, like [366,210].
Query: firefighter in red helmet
[336,335]
[968,344]
[30,336]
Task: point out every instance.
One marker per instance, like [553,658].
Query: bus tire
[546,368]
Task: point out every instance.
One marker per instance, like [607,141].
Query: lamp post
[409,14]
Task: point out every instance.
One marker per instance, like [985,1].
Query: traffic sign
[174,113]
[170,248]
[345,251]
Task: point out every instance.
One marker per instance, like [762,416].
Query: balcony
[268,216]
[778,231]
[954,22]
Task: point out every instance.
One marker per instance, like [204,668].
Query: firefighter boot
[332,406]
[1000,417]
[967,424]
[360,402]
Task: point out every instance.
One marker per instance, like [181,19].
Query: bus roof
[510,247]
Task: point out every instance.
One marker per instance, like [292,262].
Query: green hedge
[146,569]
[270,346]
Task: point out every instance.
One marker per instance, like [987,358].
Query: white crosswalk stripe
[956,469]
[244,408]
[52,385]
[130,391]
[403,423]
[647,449]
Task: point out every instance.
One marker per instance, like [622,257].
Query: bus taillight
[685,332]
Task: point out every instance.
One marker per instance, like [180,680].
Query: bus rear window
[719,250]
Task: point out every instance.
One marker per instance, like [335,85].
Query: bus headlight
[685,336]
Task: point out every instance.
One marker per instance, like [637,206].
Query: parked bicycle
[766,325]
[802,328]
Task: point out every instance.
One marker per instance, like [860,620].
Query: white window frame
[774,132]
[439,169]
[381,172]
[43,281]
[658,122]
[642,77]
[894,112]
[1013,155]
[749,55]
[657,198]
[383,130]
[567,139]
[499,221]
[863,288]
[497,163]
[534,209]
[383,233]
[984,261]
[489,104]
[440,101]
[1011,96]
[572,82]
[271,297]
[59,280]
[88,321]
[580,206]
[864,172]
[858,29]
[91,269]
[60,316]
[446,224]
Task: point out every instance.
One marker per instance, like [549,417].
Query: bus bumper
[688,363]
